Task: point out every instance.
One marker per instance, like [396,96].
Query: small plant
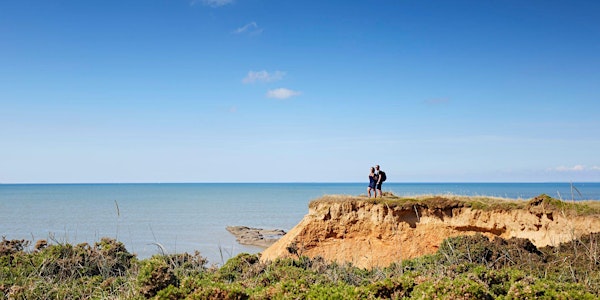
[155,275]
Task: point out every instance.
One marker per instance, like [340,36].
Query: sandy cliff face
[368,234]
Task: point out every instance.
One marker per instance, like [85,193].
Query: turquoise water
[188,217]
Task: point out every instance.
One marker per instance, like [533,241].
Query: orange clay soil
[374,233]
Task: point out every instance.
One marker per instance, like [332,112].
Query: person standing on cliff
[372,183]
[381,177]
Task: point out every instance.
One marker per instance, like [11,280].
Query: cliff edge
[370,233]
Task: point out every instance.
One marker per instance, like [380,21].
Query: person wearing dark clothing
[379,181]
[372,183]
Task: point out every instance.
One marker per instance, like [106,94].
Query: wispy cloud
[282,93]
[250,28]
[570,169]
[212,3]
[263,76]
[576,168]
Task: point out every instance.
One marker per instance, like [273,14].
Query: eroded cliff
[371,233]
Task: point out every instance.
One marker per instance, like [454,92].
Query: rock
[256,236]
[371,234]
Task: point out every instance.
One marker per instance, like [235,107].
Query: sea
[173,218]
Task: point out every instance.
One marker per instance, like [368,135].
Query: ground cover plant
[543,201]
[464,267]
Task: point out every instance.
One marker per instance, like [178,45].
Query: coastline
[193,216]
[470,266]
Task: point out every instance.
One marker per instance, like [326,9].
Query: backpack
[382,175]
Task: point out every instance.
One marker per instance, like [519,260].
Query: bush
[239,267]
[155,275]
[497,253]
[392,288]
[106,258]
[462,287]
[10,247]
[340,291]
[470,267]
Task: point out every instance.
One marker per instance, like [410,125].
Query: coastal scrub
[474,266]
[466,267]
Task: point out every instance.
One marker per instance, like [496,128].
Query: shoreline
[364,235]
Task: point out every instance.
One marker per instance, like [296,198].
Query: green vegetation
[540,203]
[466,267]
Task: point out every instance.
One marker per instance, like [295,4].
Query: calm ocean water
[188,217]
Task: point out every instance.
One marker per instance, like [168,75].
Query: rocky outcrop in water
[255,236]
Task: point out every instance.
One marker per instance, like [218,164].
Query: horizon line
[289,182]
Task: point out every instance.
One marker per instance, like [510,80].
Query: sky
[299,91]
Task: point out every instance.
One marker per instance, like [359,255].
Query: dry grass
[580,208]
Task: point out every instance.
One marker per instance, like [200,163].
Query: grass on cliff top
[539,204]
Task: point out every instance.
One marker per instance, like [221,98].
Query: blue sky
[299,91]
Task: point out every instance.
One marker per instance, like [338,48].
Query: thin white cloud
[596,168]
[212,3]
[282,93]
[263,76]
[575,168]
[250,28]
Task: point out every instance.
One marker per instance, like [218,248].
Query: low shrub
[155,275]
[468,267]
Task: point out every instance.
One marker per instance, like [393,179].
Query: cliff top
[371,232]
[542,203]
